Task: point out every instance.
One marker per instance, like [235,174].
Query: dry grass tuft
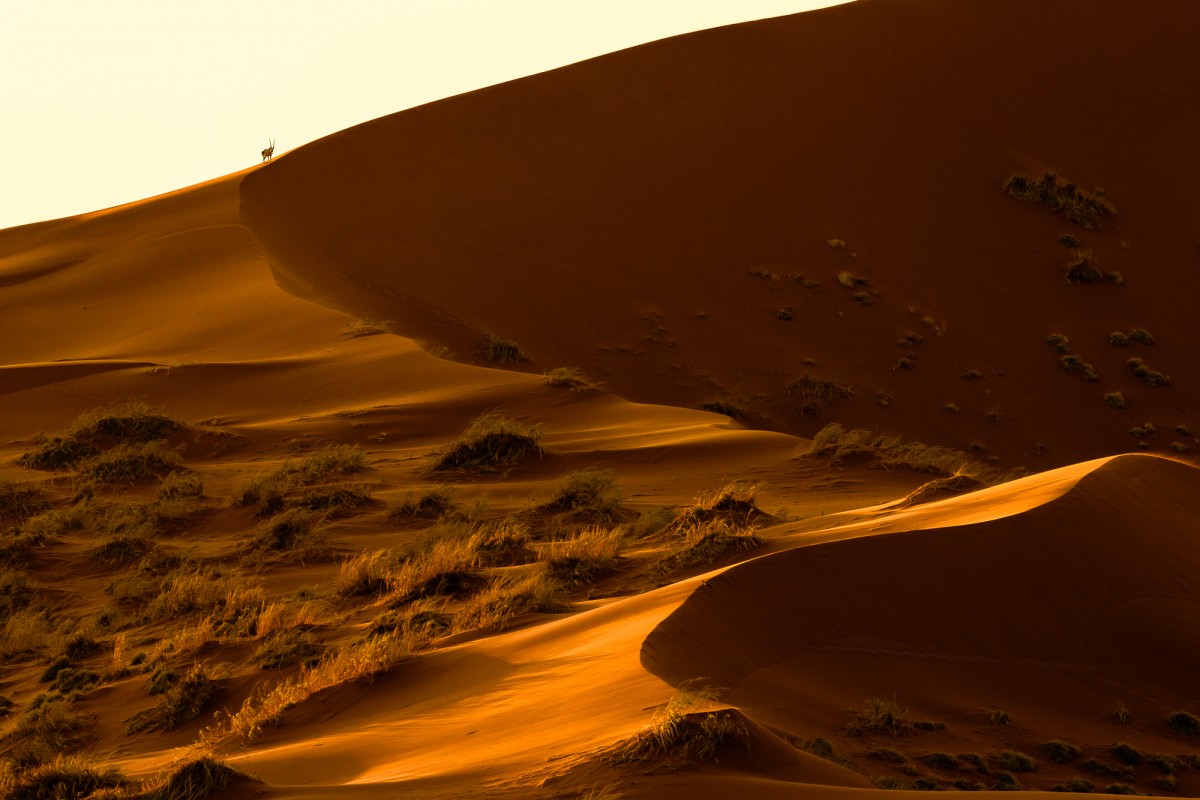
[64,778]
[889,451]
[20,501]
[681,730]
[195,779]
[569,378]
[587,495]
[447,567]
[490,441]
[131,463]
[357,662]
[705,542]
[436,502]
[129,422]
[495,607]
[366,327]
[501,351]
[366,573]
[810,396]
[181,704]
[881,716]
[1080,206]
[589,555]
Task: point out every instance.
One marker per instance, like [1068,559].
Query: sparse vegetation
[1016,762]
[590,554]
[491,440]
[195,779]
[890,451]
[1073,363]
[1080,206]
[436,502]
[495,607]
[1061,752]
[501,351]
[356,328]
[1082,268]
[881,716]
[1127,754]
[999,718]
[92,433]
[63,778]
[286,649]
[681,730]
[1060,343]
[811,395]
[181,704]
[1118,339]
[1183,723]
[1141,336]
[1149,376]
[705,542]
[784,314]
[568,378]
[586,495]
[1115,399]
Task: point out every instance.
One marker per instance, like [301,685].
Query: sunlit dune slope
[612,215]
[1055,613]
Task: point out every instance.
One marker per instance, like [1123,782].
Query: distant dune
[653,427]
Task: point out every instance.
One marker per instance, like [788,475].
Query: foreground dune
[303,341]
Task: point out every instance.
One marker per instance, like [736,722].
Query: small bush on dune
[881,716]
[706,542]
[1078,205]
[131,463]
[501,351]
[286,649]
[64,778]
[324,462]
[1016,762]
[810,396]
[1061,752]
[491,440]
[503,544]
[365,574]
[180,485]
[181,704]
[568,378]
[49,726]
[1149,376]
[448,567]
[681,730]
[1183,724]
[20,501]
[587,494]
[654,521]
[334,498]
[736,502]
[436,502]
[892,452]
[121,423]
[195,780]
[496,606]
[297,529]
[1115,399]
[1082,268]
[589,555]
[1141,336]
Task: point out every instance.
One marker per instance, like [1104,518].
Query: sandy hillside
[383,470]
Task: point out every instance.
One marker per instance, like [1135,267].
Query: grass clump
[1141,336]
[495,607]
[503,544]
[1182,723]
[366,327]
[706,542]
[20,501]
[736,503]
[881,716]
[810,396]
[334,499]
[1115,399]
[91,433]
[48,727]
[1118,339]
[1059,342]
[358,662]
[1061,752]
[584,558]
[196,779]
[1127,753]
[63,778]
[568,378]
[1149,376]
[1078,205]
[131,463]
[501,351]
[1016,762]
[181,704]
[325,462]
[588,495]
[1082,268]
[286,649]
[889,451]
[180,486]
[999,718]
[365,574]
[295,530]
[1073,363]
[491,440]
[941,761]
[436,502]
[447,568]
[680,729]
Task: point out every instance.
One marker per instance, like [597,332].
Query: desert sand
[824,459]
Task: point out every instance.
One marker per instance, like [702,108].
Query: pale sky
[108,101]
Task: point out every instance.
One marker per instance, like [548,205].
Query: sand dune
[644,218]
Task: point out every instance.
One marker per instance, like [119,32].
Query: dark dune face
[658,216]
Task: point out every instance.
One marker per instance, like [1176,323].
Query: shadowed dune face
[650,215]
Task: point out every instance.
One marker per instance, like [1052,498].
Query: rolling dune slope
[649,214]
